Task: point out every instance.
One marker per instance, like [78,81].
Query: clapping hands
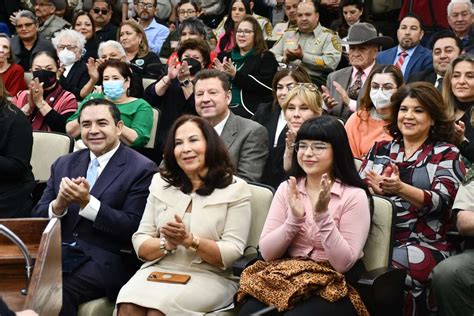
[387,183]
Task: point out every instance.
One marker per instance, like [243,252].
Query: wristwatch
[185,83]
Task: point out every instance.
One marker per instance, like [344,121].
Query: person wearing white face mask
[136,113]
[367,125]
[73,74]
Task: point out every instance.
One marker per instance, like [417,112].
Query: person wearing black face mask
[173,93]
[46,104]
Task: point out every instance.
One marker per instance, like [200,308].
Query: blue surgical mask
[113,89]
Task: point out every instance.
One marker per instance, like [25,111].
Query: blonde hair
[143,48]
[312,99]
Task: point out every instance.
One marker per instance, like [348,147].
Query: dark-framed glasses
[68,47]
[317,148]
[145,5]
[98,10]
[244,32]
[188,12]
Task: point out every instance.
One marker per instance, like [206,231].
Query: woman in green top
[251,66]
[137,114]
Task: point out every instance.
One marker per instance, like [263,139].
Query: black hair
[229,24]
[415,16]
[330,130]
[446,34]
[220,168]
[50,53]
[114,111]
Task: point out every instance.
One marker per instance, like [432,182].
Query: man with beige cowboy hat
[344,86]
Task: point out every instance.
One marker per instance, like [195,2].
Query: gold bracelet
[195,244]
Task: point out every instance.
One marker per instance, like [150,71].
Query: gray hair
[77,37]
[26,14]
[453,2]
[195,25]
[114,44]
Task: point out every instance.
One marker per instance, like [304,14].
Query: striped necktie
[401,60]
[355,88]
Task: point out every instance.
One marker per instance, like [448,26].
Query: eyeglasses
[244,32]
[310,86]
[68,47]
[290,67]
[316,148]
[98,10]
[386,88]
[24,26]
[188,12]
[145,5]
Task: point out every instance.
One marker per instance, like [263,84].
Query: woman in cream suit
[196,222]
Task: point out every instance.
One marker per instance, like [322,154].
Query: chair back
[146,82]
[379,246]
[47,147]
[154,127]
[260,201]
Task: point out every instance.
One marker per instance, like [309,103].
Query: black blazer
[255,79]
[77,78]
[273,172]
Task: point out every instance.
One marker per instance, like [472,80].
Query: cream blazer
[223,216]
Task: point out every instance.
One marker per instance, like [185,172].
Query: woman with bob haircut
[136,114]
[251,66]
[317,226]
[196,222]
[458,94]
[133,39]
[303,102]
[272,117]
[420,171]
[367,125]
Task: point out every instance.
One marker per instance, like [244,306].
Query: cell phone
[167,277]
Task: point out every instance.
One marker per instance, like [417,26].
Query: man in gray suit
[246,140]
[344,86]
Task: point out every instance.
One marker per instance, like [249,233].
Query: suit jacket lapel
[346,78]
[412,61]
[79,166]
[114,168]
[230,130]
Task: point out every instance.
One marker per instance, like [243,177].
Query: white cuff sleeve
[91,210]
[51,213]
[353,105]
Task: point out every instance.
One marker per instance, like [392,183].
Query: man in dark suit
[409,55]
[246,140]
[344,86]
[446,46]
[100,195]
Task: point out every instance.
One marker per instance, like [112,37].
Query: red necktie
[401,60]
